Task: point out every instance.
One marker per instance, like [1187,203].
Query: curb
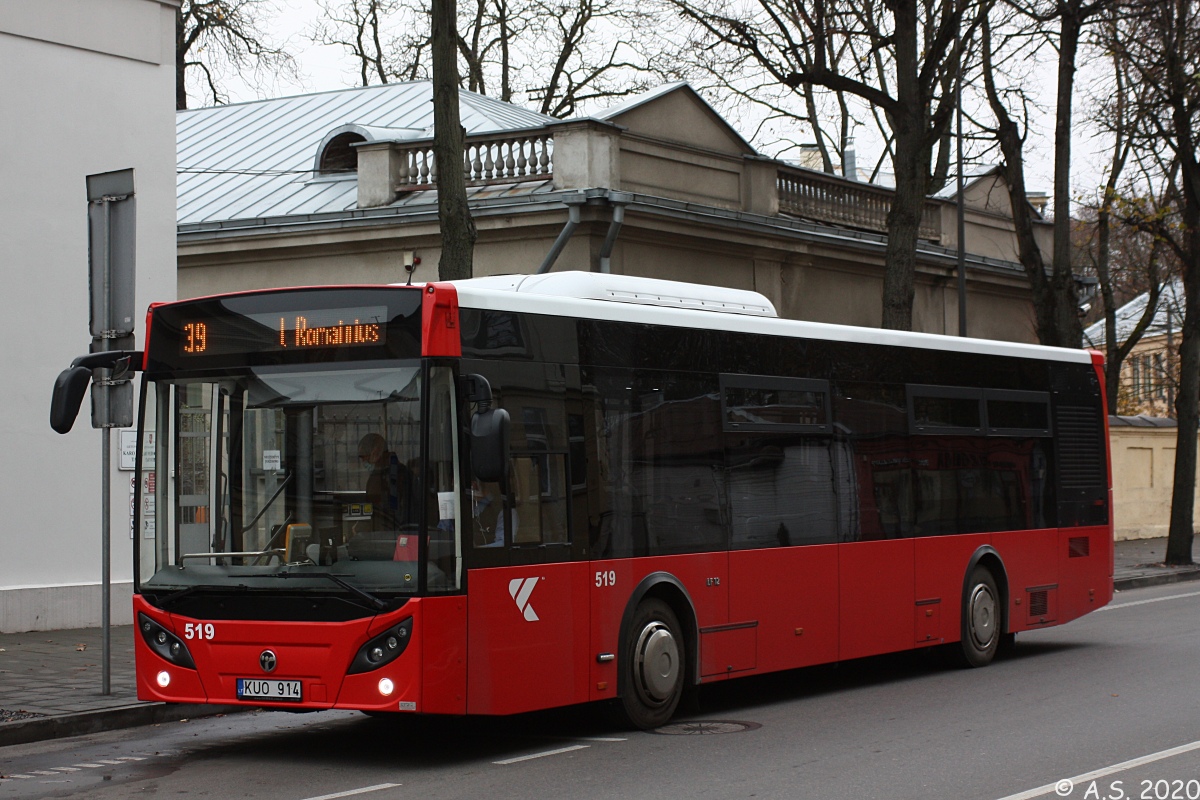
[1142,581]
[130,716]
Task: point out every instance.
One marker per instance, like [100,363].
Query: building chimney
[810,157]
[849,167]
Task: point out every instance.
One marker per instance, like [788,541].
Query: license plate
[259,689]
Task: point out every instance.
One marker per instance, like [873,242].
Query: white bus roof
[625,298]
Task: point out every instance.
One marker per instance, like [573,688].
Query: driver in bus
[387,486]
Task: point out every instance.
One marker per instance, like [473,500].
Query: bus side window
[540,513]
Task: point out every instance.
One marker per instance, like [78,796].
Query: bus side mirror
[69,389]
[72,383]
[489,445]
[489,432]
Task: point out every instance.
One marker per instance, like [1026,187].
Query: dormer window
[339,156]
[336,157]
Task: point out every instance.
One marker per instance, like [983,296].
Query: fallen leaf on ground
[81,647]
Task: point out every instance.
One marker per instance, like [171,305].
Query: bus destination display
[332,328]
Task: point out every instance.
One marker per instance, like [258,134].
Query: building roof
[1141,421]
[614,113]
[1169,314]
[256,159]
[972,174]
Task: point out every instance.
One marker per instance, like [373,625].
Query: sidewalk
[50,686]
[1139,562]
[50,680]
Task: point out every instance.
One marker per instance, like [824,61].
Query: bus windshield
[310,474]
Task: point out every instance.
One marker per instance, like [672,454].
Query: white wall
[88,87]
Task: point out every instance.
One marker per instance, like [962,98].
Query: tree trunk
[1030,255]
[1187,402]
[1067,330]
[180,64]
[454,215]
[909,119]
[904,225]
[1183,492]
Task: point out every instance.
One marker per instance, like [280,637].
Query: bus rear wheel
[982,620]
[654,666]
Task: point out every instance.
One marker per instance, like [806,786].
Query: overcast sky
[325,68]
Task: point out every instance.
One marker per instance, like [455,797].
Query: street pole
[105,477]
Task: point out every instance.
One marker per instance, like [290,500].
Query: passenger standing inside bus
[387,486]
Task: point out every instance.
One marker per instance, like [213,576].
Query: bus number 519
[198,631]
[606,578]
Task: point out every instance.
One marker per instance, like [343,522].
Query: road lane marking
[90,766]
[1151,600]
[66,769]
[1105,771]
[600,739]
[559,751]
[352,792]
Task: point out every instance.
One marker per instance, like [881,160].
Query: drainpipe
[573,203]
[618,201]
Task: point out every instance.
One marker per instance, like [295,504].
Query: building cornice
[709,218]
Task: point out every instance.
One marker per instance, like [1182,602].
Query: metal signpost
[111,246]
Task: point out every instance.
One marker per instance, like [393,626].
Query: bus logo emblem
[520,589]
[267,661]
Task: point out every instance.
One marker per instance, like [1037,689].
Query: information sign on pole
[111,248]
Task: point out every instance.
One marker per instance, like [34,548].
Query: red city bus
[506,494]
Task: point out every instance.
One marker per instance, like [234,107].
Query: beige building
[339,188]
[1143,464]
[1148,373]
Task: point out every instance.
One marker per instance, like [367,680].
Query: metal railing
[501,158]
[825,198]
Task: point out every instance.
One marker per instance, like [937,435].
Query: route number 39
[606,578]
[194,630]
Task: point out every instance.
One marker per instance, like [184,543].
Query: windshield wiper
[363,594]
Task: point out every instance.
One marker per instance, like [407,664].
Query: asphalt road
[1110,702]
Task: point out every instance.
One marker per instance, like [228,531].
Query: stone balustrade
[820,197]
[507,158]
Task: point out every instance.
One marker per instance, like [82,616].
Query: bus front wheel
[981,620]
[654,666]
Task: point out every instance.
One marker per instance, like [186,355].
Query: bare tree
[213,37]
[1072,15]
[553,54]
[1161,44]
[733,78]
[1010,132]
[1137,265]
[363,28]
[1014,30]
[894,55]
[592,53]
[454,215]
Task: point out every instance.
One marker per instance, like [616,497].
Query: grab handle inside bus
[72,383]
[489,432]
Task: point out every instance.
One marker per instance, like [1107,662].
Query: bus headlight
[383,649]
[164,643]
[386,687]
